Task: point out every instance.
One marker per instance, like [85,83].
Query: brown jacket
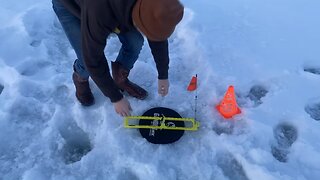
[98,19]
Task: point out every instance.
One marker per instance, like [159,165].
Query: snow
[267,49]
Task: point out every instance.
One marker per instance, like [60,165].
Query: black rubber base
[162,136]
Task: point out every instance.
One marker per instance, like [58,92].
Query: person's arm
[94,35]
[160,52]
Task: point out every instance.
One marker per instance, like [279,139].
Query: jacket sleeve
[94,34]
[73,7]
[160,52]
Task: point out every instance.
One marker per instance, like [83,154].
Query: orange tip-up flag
[228,107]
[193,84]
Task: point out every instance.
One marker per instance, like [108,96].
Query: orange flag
[228,107]
[193,84]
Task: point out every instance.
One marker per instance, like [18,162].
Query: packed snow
[268,50]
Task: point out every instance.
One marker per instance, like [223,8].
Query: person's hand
[122,107]
[163,87]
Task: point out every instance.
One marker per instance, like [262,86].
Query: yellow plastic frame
[195,124]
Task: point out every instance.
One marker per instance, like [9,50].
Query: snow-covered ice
[269,51]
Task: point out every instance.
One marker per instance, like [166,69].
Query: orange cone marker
[228,107]
[193,84]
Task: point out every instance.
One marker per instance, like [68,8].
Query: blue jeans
[132,41]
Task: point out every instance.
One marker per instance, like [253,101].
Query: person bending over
[88,24]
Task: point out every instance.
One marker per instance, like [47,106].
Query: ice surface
[267,49]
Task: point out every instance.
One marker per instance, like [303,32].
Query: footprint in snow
[255,95]
[223,127]
[33,89]
[127,174]
[77,142]
[313,109]
[61,95]
[1,88]
[30,68]
[230,166]
[312,70]
[29,111]
[285,135]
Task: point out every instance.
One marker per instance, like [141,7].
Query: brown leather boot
[83,91]
[120,77]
